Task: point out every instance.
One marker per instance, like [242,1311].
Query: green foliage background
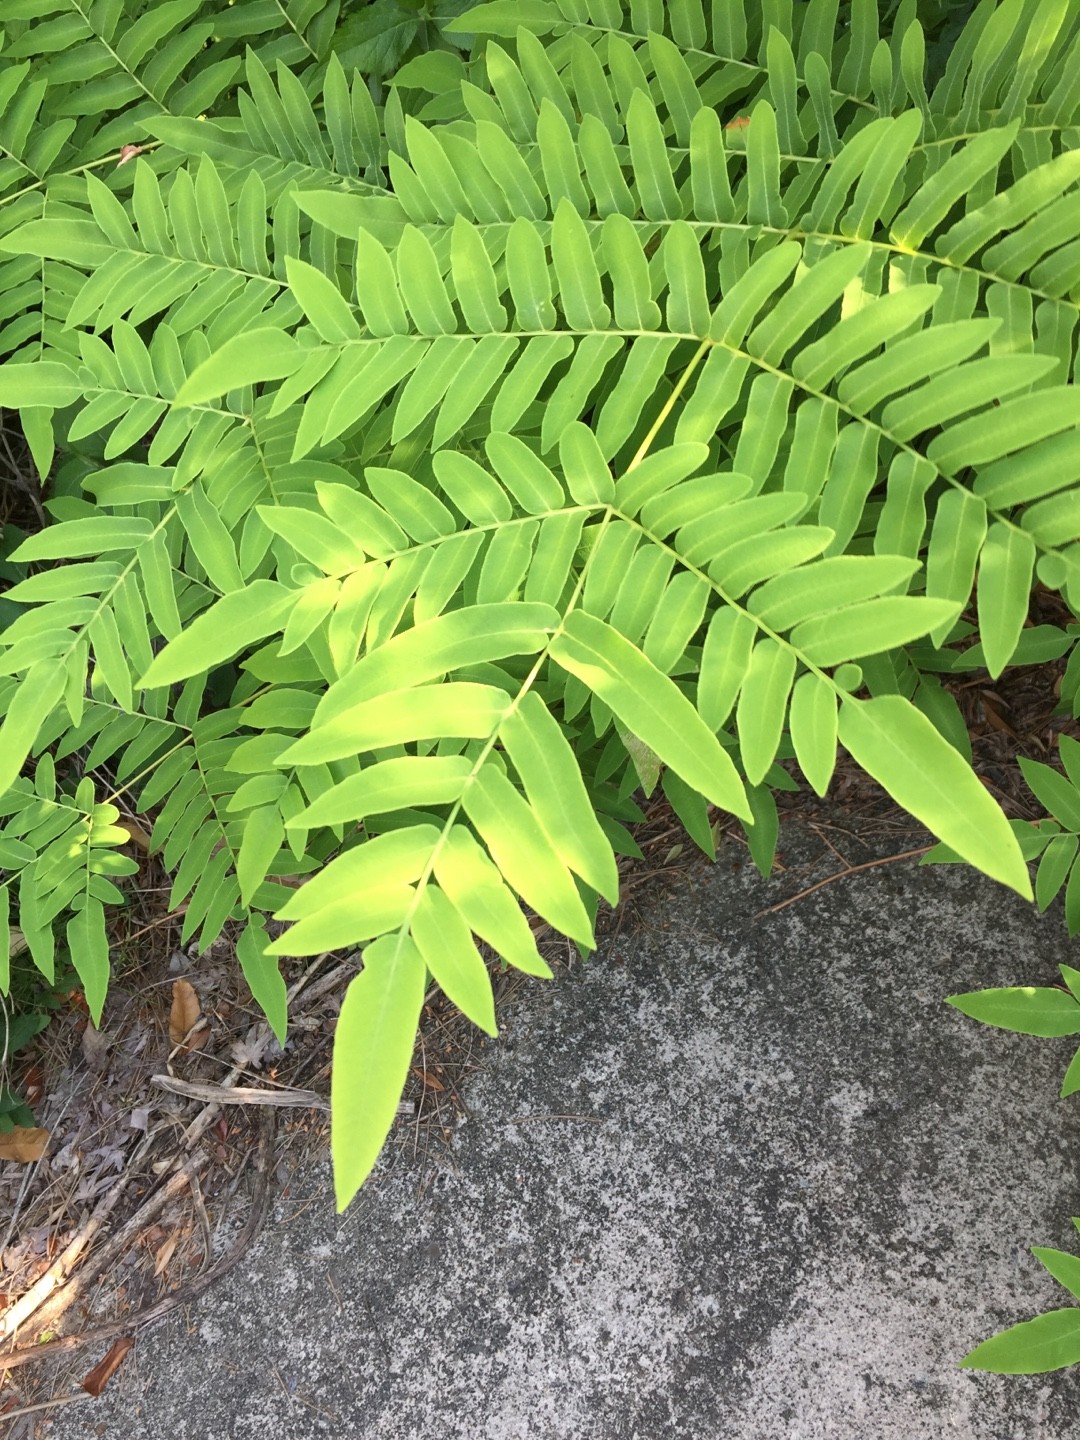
[441,446]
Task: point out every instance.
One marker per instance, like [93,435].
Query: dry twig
[57,1288]
[188,1291]
[842,875]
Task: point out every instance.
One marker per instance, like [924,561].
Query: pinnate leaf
[472,635]
[255,355]
[46,383]
[33,701]
[461,709]
[263,976]
[542,756]
[450,953]
[399,784]
[524,854]
[89,947]
[1065,1268]
[476,888]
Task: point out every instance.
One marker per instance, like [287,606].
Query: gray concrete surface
[786,1190]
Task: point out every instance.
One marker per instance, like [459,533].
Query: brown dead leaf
[96,1045]
[430,1081]
[165,1254]
[994,718]
[23,1144]
[185,1010]
[139,838]
[77,1002]
[185,1014]
[95,1380]
[33,1085]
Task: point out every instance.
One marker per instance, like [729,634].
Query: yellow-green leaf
[901,749]
[373,1047]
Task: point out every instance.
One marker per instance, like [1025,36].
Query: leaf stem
[669,405]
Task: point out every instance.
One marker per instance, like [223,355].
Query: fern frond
[658,398]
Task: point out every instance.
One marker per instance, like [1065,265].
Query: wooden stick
[842,875]
[251,1095]
[238,1094]
[45,1405]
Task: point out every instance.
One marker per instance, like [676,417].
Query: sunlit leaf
[373,1046]
[901,749]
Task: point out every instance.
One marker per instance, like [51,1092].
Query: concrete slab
[736,1177]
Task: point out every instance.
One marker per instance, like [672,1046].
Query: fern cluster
[631,385]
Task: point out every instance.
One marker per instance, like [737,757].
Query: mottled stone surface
[738,1176]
